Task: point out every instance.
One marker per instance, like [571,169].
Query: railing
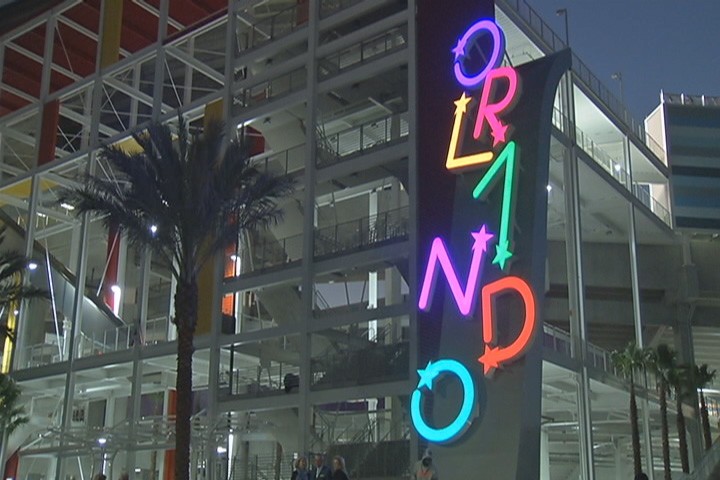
[328,7]
[261,467]
[260,381]
[706,466]
[557,340]
[612,166]
[271,28]
[373,48]
[270,253]
[361,233]
[376,363]
[281,163]
[683,99]
[122,338]
[356,140]
[42,354]
[554,43]
[271,89]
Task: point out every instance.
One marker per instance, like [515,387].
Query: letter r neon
[490,111]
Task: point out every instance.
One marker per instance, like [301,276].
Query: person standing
[424,468]
[320,471]
[339,471]
[301,471]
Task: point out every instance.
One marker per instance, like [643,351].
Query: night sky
[670,45]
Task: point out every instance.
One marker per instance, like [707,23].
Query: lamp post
[618,76]
[564,13]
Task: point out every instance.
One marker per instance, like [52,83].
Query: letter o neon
[498,48]
[463,419]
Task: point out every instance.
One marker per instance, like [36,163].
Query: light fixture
[102,440]
[138,470]
[234,258]
[549,188]
[221,450]
[32,265]
[617,167]
[67,206]
[153,229]
[16,312]
[117,292]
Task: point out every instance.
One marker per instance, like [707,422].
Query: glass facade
[313,344]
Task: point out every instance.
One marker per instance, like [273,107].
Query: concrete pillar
[544,455]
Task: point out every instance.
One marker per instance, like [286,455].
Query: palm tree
[629,361]
[663,362]
[703,377]
[680,381]
[13,290]
[11,415]
[186,199]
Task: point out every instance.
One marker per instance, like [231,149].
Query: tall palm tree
[703,377]
[628,361]
[663,362]
[186,199]
[681,383]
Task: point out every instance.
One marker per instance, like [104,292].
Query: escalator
[51,275]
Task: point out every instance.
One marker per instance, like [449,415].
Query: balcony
[362,139]
[362,233]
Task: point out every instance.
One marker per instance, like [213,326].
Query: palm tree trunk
[186,305]
[705,421]
[682,436]
[665,430]
[637,460]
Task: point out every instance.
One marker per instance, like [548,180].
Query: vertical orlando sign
[483,170]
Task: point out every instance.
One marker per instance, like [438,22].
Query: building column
[544,454]
[637,311]
[308,280]
[576,299]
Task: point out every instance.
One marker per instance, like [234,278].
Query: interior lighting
[32,265]
[617,167]
[221,450]
[67,206]
[153,229]
[102,440]
[117,293]
[549,188]
[234,258]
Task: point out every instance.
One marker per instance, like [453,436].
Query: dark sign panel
[484,149]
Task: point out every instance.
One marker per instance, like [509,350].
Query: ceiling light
[32,265]
[153,229]
[102,440]
[549,188]
[67,206]
[617,167]
[221,450]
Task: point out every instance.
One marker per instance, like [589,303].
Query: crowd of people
[320,470]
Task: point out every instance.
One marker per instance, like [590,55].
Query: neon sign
[465,300]
[499,89]
[463,419]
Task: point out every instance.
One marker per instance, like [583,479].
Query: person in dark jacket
[301,471]
[339,471]
[320,471]
[641,476]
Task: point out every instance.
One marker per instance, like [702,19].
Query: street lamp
[562,12]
